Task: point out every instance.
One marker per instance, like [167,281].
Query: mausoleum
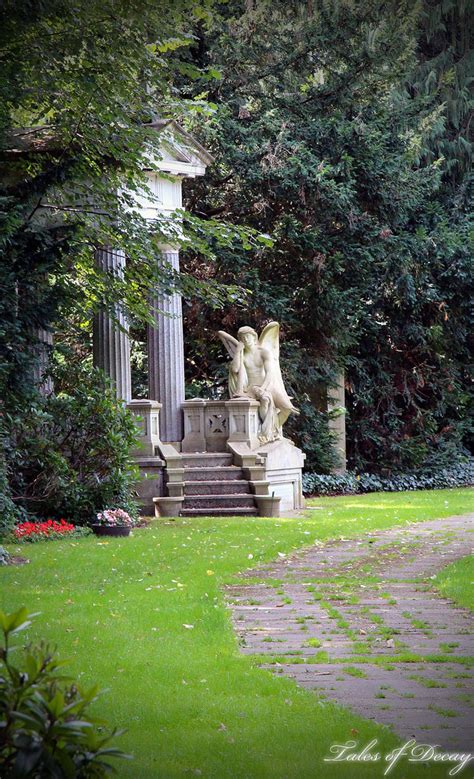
[200,456]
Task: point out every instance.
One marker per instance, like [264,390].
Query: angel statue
[254,372]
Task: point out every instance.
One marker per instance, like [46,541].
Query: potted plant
[113,522]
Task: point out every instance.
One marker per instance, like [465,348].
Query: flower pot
[111,530]
[268,505]
[168,507]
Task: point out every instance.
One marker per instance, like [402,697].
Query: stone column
[111,343]
[166,358]
[43,350]
[337,425]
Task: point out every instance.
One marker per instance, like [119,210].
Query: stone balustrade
[209,425]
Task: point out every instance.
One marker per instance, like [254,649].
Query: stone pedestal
[168,507]
[147,455]
[166,358]
[194,432]
[243,421]
[337,422]
[111,343]
[147,420]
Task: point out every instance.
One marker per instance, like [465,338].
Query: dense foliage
[69,455]
[341,131]
[46,729]
[79,84]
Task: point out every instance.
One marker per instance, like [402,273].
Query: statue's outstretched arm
[230,343]
[237,373]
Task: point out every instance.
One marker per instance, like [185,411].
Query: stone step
[206,460]
[221,512]
[215,487]
[218,501]
[217,473]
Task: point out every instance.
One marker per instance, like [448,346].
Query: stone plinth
[168,507]
[166,358]
[147,420]
[150,484]
[283,463]
[111,343]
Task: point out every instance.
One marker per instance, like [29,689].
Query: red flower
[44,529]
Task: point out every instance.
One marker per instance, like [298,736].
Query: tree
[318,144]
[80,83]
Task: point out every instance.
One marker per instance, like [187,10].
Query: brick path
[370,599]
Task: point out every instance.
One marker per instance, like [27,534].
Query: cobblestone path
[359,622]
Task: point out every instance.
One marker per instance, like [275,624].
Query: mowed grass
[145,618]
[456,581]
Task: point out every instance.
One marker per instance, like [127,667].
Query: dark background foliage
[342,132]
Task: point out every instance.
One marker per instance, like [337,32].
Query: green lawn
[192,705]
[456,581]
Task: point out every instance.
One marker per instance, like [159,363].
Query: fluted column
[166,358]
[43,350]
[111,343]
[337,424]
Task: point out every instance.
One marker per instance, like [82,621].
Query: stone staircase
[213,486]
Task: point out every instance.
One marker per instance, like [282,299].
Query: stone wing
[270,338]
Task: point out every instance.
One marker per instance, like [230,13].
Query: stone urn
[111,530]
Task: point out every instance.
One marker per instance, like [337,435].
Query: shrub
[69,455]
[8,510]
[4,556]
[45,729]
[460,474]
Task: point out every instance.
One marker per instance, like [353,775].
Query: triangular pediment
[179,152]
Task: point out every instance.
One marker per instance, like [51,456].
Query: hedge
[459,475]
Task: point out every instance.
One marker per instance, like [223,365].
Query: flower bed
[38,531]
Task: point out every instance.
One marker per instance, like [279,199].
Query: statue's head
[247,335]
